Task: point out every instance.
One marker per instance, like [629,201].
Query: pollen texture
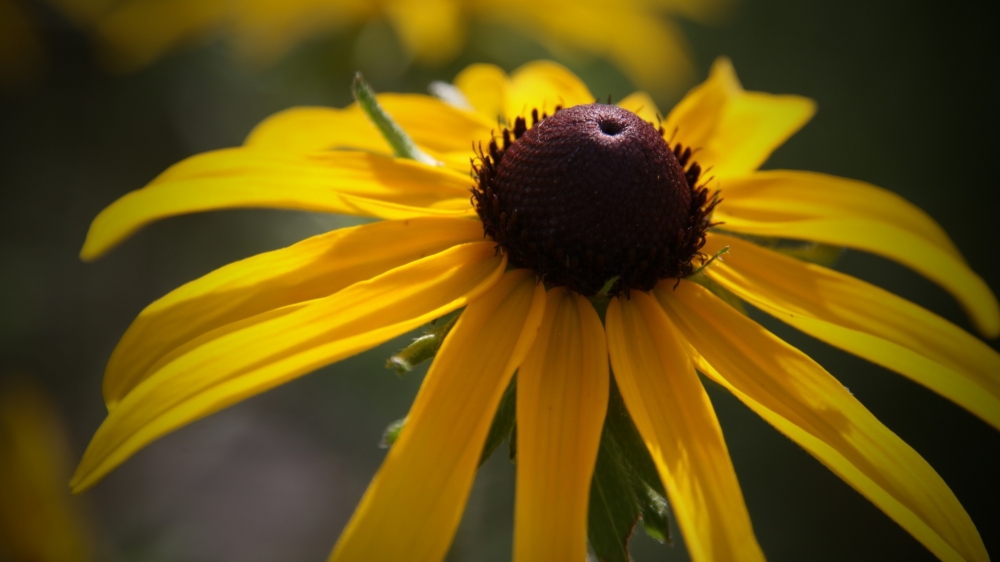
[592,193]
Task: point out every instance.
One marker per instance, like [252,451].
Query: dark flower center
[590,194]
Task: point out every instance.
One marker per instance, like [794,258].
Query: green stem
[401,143]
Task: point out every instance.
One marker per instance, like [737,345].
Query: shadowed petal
[804,402]
[311,269]
[562,396]
[735,131]
[421,489]
[865,320]
[336,182]
[246,358]
[676,420]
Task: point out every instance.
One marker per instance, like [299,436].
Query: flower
[39,520]
[265,320]
[433,32]
[22,47]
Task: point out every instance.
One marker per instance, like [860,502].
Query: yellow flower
[653,52]
[38,519]
[265,320]
[22,49]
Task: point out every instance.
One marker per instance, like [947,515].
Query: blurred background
[909,99]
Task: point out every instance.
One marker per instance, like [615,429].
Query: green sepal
[625,488]
[503,421]
[400,142]
[391,433]
[423,348]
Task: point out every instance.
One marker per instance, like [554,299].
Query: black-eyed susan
[654,54]
[573,203]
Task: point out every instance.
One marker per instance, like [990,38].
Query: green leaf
[401,143]
[654,516]
[503,421]
[614,508]
[626,435]
[423,348]
[512,444]
[625,487]
[391,433]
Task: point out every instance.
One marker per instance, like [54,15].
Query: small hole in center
[609,127]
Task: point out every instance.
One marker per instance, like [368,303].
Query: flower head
[578,211]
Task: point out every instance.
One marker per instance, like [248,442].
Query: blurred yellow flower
[635,35]
[22,42]
[39,521]
[608,210]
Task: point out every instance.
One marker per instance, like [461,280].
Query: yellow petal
[783,195]
[420,490]
[676,420]
[432,30]
[543,85]
[485,86]
[642,105]
[335,182]
[311,269]
[735,131]
[865,320]
[807,404]
[889,241]
[246,358]
[431,123]
[562,396]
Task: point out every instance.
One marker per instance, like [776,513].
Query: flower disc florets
[589,194]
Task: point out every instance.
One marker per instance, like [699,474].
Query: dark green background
[908,99]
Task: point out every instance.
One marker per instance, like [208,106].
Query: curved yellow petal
[314,268]
[735,131]
[246,358]
[676,420]
[783,195]
[562,396]
[431,123]
[865,320]
[485,86]
[807,404]
[335,182]
[421,488]
[892,242]
[642,105]
[543,85]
